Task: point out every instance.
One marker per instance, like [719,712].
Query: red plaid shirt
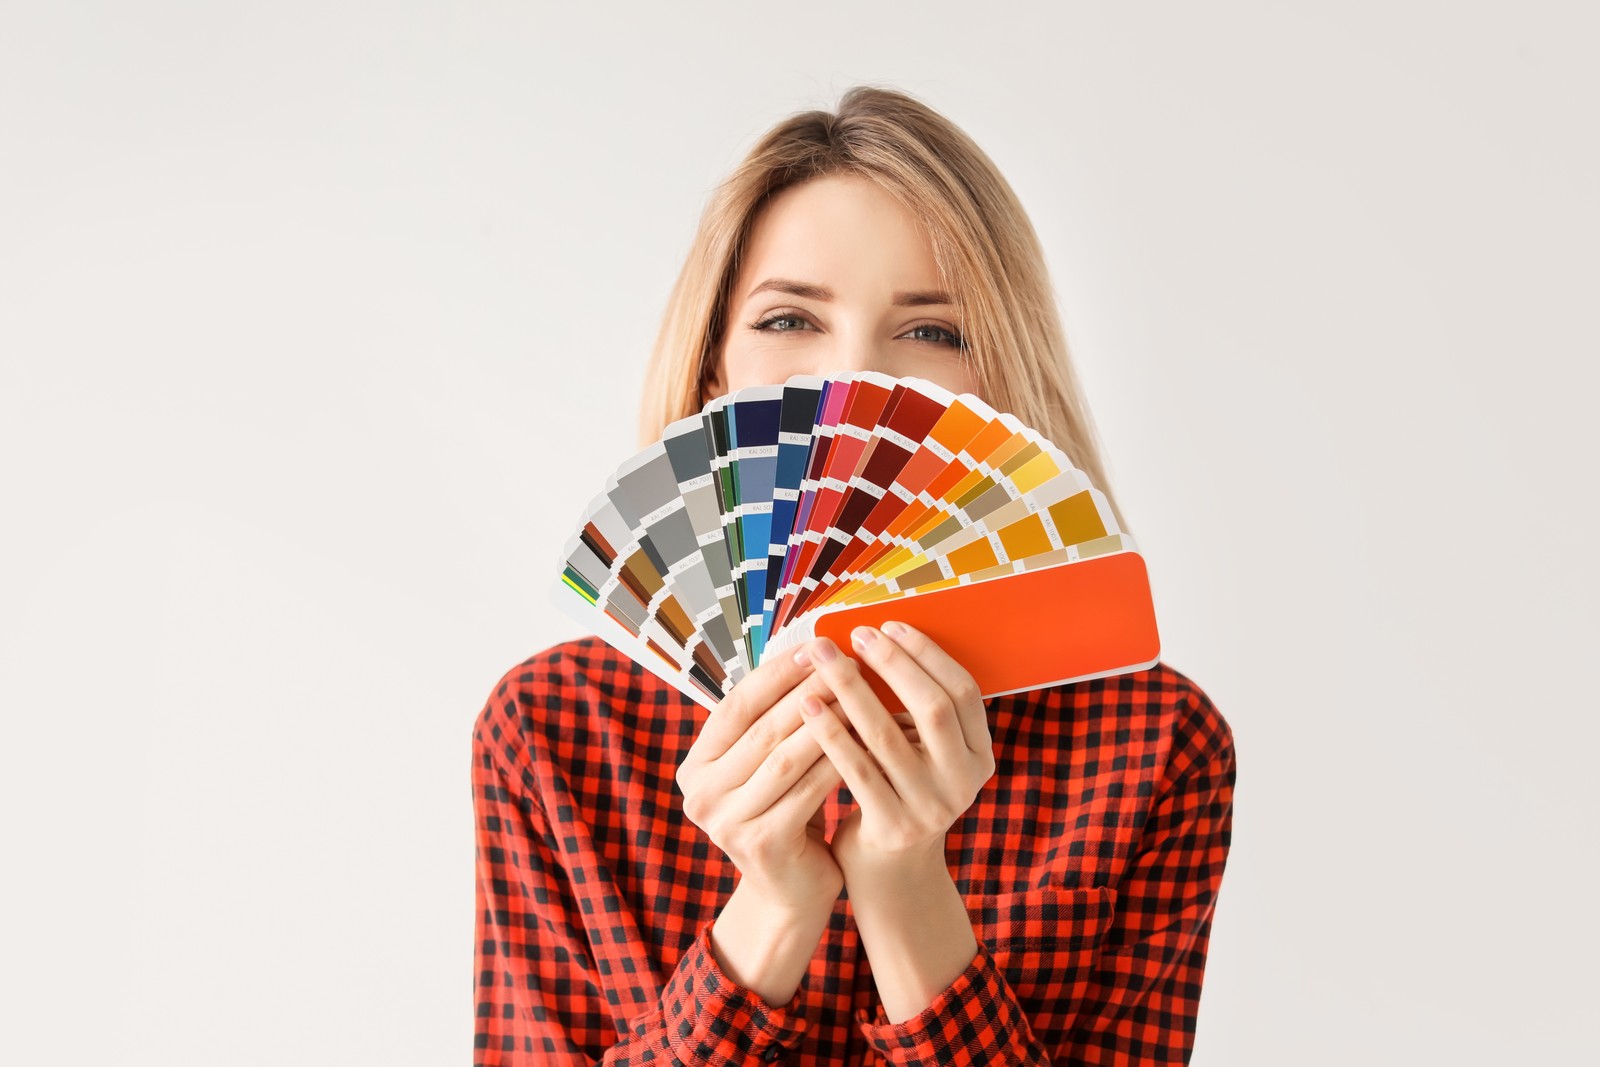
[1090,864]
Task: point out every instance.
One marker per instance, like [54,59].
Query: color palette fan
[782,513]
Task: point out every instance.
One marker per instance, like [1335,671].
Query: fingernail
[811,706]
[823,650]
[862,636]
[802,657]
[894,629]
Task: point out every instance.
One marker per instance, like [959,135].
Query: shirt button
[773,1054]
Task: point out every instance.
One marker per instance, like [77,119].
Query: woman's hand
[909,788]
[912,919]
[755,781]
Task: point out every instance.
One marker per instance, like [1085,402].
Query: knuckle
[882,739]
[780,764]
[965,691]
[865,765]
[762,734]
[758,841]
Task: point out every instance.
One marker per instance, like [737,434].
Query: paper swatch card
[780,513]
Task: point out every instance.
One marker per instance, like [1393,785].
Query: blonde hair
[986,250]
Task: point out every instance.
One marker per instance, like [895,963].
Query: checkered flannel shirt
[1090,864]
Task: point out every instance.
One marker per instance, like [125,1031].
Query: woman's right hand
[754,780]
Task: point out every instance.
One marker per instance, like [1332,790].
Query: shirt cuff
[976,1016]
[710,1019]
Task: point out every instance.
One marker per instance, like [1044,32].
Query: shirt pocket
[1045,941]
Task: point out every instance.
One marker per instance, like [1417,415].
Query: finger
[963,690]
[879,733]
[775,775]
[748,700]
[933,709]
[805,799]
[769,730]
[908,726]
[857,768]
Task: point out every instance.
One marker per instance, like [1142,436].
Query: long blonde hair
[986,250]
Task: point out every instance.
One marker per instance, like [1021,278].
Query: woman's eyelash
[953,339]
[770,319]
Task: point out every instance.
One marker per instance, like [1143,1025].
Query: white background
[295,296]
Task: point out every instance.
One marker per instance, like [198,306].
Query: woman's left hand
[909,791]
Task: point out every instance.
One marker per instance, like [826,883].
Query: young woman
[799,876]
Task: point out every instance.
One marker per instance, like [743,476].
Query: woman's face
[838,277]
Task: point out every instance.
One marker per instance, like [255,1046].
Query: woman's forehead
[842,236]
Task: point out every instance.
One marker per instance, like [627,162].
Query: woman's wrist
[794,897]
[914,927]
[764,939]
[860,863]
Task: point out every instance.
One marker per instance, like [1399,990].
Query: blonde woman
[801,877]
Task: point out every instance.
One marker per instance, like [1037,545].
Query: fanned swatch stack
[782,513]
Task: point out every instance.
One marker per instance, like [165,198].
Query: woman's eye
[771,323]
[927,333]
[940,335]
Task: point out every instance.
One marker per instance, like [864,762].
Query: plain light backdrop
[299,300]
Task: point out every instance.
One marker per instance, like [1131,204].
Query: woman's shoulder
[1192,727]
[585,667]
[1159,711]
[568,693]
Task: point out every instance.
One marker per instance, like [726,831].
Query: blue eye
[954,339]
[769,320]
[941,336]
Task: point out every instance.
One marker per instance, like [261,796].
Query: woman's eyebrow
[816,292]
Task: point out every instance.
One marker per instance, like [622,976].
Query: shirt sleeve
[1141,1001]
[975,1020]
[541,997]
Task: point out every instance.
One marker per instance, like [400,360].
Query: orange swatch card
[1049,626]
